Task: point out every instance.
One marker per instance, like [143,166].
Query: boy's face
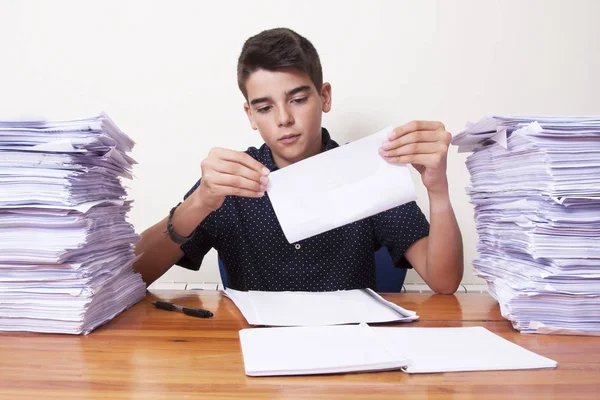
[286,108]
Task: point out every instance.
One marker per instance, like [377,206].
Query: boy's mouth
[288,139]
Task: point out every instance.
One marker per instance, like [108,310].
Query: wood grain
[147,353]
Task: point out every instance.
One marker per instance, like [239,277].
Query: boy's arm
[158,251]
[438,258]
[224,173]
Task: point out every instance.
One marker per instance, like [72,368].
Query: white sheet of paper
[315,350]
[317,308]
[351,348]
[459,349]
[338,187]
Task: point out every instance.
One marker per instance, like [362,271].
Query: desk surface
[148,353]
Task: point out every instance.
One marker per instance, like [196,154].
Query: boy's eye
[300,100]
[263,109]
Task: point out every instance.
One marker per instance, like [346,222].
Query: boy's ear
[248,112]
[326,96]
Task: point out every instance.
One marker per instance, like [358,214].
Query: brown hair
[278,48]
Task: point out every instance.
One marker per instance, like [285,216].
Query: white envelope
[338,187]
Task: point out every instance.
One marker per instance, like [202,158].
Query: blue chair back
[223,273]
[388,278]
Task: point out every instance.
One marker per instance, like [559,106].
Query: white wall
[166,73]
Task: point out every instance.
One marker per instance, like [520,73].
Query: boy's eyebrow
[297,90]
[289,93]
[259,100]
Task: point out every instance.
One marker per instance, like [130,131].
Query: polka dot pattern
[250,242]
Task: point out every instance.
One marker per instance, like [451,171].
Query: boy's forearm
[158,251]
[445,247]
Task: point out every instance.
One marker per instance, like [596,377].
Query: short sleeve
[196,248]
[398,228]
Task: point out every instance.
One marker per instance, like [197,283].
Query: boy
[279,74]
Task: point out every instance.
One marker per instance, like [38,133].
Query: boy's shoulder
[256,152]
[262,155]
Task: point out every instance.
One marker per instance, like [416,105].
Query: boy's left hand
[424,145]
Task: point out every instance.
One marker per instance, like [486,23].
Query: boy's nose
[284,117]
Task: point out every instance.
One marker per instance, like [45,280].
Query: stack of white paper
[66,248]
[354,348]
[535,184]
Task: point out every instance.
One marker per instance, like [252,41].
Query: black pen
[194,312]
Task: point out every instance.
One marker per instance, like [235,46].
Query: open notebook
[354,348]
[317,308]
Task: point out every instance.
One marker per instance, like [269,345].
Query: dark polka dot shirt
[251,244]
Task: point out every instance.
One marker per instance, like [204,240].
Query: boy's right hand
[230,173]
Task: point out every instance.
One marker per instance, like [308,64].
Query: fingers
[432,160]
[236,191]
[415,148]
[241,182]
[227,172]
[241,164]
[417,138]
[221,185]
[414,126]
[242,159]
[240,170]
[414,137]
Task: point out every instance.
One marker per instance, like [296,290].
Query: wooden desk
[147,353]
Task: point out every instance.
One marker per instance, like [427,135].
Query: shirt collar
[266,157]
